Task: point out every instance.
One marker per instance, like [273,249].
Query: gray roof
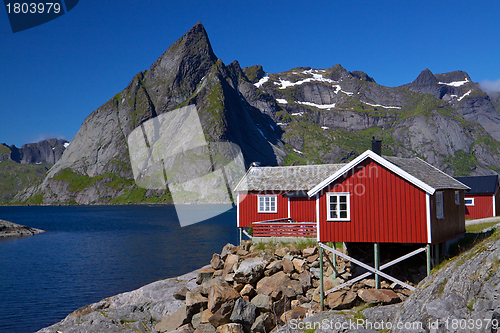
[426,173]
[289,178]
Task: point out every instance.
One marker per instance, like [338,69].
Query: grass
[470,245]
[477,228]
[15,176]
[4,149]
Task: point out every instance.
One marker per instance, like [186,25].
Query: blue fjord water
[93,252]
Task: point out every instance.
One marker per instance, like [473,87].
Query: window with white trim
[338,207]
[469,201]
[439,205]
[457,197]
[267,204]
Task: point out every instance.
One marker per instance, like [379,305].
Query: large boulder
[244,313]
[250,270]
[264,323]
[230,262]
[223,315]
[262,302]
[231,328]
[217,262]
[204,274]
[273,267]
[272,283]
[226,250]
[378,296]
[195,302]
[219,294]
[172,322]
[296,313]
[181,293]
[341,299]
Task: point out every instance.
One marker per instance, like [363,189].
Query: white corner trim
[238,209]
[494,206]
[379,159]
[428,211]
[289,213]
[317,218]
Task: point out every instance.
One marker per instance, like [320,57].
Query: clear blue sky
[54,75]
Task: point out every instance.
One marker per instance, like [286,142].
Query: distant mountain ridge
[22,167]
[301,116]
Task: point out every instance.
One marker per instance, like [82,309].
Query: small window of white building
[267,204]
[338,207]
[439,205]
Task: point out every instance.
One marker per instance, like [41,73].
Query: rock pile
[251,290]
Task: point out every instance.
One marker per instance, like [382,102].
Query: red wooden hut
[483,199]
[371,199]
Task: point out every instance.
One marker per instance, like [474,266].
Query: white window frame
[457,197]
[439,205]
[328,211]
[470,204]
[266,200]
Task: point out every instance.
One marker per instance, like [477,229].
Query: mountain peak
[177,72]
[425,78]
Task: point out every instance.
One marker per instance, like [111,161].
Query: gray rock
[244,313]
[9,229]
[250,270]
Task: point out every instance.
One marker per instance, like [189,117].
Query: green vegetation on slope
[4,149]
[132,193]
[14,177]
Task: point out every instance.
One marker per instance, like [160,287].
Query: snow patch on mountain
[464,95]
[319,106]
[315,77]
[262,81]
[281,101]
[382,106]
[455,83]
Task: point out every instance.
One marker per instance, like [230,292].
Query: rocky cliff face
[188,73]
[300,116]
[329,115]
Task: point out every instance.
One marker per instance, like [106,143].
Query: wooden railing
[284,228]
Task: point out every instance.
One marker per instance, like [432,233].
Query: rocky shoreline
[245,288]
[9,229]
[250,288]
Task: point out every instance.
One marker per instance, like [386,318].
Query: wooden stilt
[428,250]
[241,235]
[321,290]
[377,264]
[334,257]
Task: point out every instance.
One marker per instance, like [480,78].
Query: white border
[270,196]
[494,206]
[428,211]
[238,209]
[338,219]
[289,213]
[472,204]
[317,218]
[379,159]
